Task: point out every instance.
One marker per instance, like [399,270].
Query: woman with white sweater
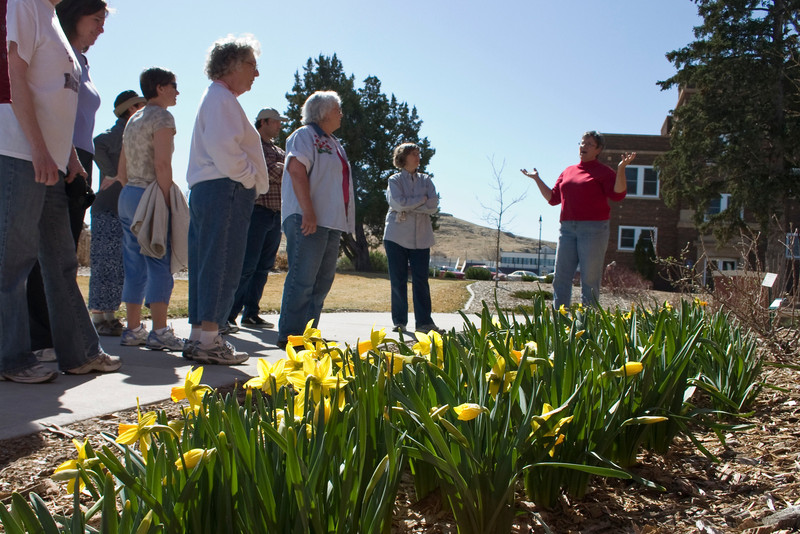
[226,172]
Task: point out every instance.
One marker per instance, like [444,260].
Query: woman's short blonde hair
[226,54]
[400,153]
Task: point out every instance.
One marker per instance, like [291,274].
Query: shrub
[477,273]
[281,262]
[532,294]
[448,274]
[621,280]
[344,264]
[378,262]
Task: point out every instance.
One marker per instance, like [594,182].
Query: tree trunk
[357,249]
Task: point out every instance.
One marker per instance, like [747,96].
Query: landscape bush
[378,262]
[477,273]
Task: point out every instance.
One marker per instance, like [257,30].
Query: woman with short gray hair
[318,105]
[226,172]
[317,205]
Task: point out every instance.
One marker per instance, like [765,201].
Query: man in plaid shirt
[264,235]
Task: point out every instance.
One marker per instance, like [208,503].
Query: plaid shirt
[274,156]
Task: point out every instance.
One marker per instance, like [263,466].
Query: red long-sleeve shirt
[584,191]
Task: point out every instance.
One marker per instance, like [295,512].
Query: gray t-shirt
[138,143]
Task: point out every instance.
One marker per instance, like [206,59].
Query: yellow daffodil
[320,371]
[700,303]
[191,390]
[395,362]
[667,306]
[130,434]
[267,372]
[192,458]
[310,335]
[376,337]
[563,310]
[431,346]
[69,466]
[293,360]
[629,369]
[469,411]
[498,378]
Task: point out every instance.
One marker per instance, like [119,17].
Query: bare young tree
[494,214]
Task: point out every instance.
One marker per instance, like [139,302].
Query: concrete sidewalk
[150,375]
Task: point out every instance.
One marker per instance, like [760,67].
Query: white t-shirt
[53,76]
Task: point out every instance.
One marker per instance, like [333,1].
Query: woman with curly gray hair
[226,171]
[317,205]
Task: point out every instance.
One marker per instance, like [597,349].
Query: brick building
[644,213]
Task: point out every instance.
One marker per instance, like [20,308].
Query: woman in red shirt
[583,190]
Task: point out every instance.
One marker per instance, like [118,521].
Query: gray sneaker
[164,341]
[102,363]
[113,328]
[189,348]
[135,337]
[220,353]
[46,355]
[36,374]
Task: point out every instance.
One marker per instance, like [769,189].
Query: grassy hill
[457,238]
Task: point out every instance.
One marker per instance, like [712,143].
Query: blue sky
[517,80]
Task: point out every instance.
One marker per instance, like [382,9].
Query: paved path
[150,375]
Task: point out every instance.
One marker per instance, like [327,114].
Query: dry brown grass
[350,292]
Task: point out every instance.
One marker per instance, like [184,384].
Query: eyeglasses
[252,64]
[174,85]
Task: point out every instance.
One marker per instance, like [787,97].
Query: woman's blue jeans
[34,223]
[399,258]
[220,216]
[580,243]
[312,266]
[146,279]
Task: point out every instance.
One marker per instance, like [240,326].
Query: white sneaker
[219,352]
[167,340]
[135,337]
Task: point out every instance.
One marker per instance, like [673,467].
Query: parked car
[495,275]
[519,275]
[445,269]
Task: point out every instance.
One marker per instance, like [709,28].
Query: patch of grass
[350,292]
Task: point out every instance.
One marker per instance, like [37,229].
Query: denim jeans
[147,279]
[398,258]
[263,240]
[580,243]
[312,266]
[220,216]
[34,221]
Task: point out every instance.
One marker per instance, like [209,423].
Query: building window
[630,235]
[642,181]
[725,264]
[793,246]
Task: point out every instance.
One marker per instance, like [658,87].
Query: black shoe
[256,322]
[229,328]
[282,344]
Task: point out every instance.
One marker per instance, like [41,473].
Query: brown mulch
[755,487]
